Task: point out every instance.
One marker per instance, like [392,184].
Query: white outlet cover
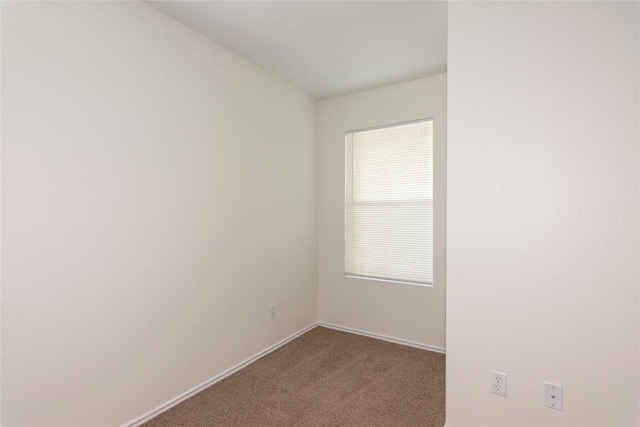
[553,396]
[498,383]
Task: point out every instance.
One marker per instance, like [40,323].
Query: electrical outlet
[553,396]
[272,311]
[498,383]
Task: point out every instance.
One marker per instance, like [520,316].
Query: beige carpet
[324,378]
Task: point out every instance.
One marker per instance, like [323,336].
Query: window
[389,203]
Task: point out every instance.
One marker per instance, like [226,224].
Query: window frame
[428,284]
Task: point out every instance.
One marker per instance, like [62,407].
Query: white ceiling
[326,48]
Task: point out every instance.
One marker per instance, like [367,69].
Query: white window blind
[389,203]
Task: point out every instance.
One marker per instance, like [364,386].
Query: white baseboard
[384,337]
[173,402]
[184,396]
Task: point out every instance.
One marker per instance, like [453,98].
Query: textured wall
[543,212]
[407,312]
[158,193]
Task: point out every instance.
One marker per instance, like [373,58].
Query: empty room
[319,213]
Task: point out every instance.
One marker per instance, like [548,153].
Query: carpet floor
[323,378]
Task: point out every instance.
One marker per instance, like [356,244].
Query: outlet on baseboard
[272,311]
[498,383]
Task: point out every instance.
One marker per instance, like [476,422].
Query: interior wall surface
[542,220]
[158,194]
[399,311]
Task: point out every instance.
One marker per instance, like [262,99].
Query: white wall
[543,211]
[399,311]
[158,193]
